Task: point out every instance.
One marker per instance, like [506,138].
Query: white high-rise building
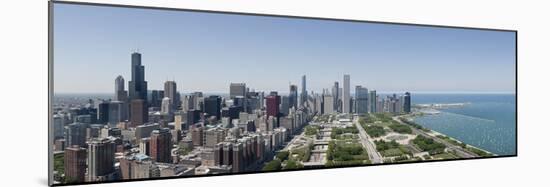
[328,104]
[346,104]
[166,107]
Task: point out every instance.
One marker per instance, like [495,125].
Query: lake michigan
[488,121]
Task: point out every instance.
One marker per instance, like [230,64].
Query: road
[367,142]
[461,152]
[294,139]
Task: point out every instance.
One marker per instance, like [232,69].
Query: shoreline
[433,132]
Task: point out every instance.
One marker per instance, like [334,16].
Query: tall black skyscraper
[156,97]
[138,92]
[103,112]
[293,96]
[361,100]
[336,96]
[138,85]
[212,106]
[373,102]
[193,116]
[407,102]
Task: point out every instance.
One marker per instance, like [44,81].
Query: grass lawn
[392,152]
[375,130]
[346,153]
[59,162]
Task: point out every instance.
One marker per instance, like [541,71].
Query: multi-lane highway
[367,142]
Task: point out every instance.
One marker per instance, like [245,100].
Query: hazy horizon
[207,51]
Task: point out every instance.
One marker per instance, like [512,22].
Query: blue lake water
[487,122]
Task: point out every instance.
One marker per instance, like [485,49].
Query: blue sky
[206,51]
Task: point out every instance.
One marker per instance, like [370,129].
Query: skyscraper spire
[137,86]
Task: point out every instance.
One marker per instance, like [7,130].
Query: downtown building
[328,104]
[381,105]
[293,96]
[120,93]
[145,146]
[170,91]
[237,89]
[144,131]
[288,123]
[179,118]
[138,112]
[346,100]
[192,101]
[361,100]
[75,134]
[272,105]
[166,106]
[102,112]
[94,131]
[137,166]
[319,104]
[193,116]
[303,95]
[156,98]
[58,126]
[197,136]
[407,102]
[120,102]
[373,102]
[285,105]
[75,164]
[101,159]
[138,92]
[335,97]
[117,113]
[214,136]
[238,158]
[109,112]
[212,106]
[161,145]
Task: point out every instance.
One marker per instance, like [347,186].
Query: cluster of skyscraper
[339,100]
[144,133]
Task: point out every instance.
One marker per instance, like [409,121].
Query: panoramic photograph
[141,93]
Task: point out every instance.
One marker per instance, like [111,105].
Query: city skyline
[401,58]
[294,95]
